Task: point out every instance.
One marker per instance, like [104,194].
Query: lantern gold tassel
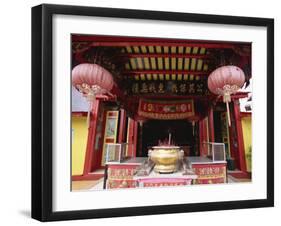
[88,115]
[228,115]
[226,100]
[91,97]
[193,125]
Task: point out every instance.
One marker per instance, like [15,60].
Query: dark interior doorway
[217,126]
[155,130]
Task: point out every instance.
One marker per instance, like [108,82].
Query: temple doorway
[154,131]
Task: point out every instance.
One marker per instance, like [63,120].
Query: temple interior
[152,112]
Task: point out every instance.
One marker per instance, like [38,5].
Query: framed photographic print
[147,112]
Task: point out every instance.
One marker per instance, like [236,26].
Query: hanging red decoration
[225,81]
[92,80]
[165,110]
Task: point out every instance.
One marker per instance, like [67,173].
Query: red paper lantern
[225,81]
[92,80]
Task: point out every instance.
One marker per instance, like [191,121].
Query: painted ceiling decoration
[155,68]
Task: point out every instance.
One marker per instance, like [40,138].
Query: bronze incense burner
[166,158]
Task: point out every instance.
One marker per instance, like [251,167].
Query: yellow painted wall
[79,143]
[247,136]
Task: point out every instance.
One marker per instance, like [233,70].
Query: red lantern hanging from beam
[92,80]
[224,81]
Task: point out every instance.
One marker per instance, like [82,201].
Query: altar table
[202,171]
[208,171]
[172,179]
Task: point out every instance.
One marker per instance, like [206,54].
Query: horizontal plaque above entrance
[166,110]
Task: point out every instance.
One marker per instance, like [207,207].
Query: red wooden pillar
[121,132]
[91,137]
[211,125]
[135,138]
[203,137]
[98,153]
[200,137]
[240,139]
[130,137]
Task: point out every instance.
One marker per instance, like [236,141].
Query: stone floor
[86,184]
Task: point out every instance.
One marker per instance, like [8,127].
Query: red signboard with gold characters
[166,110]
[210,173]
[121,176]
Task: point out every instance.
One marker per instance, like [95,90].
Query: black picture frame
[42,111]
